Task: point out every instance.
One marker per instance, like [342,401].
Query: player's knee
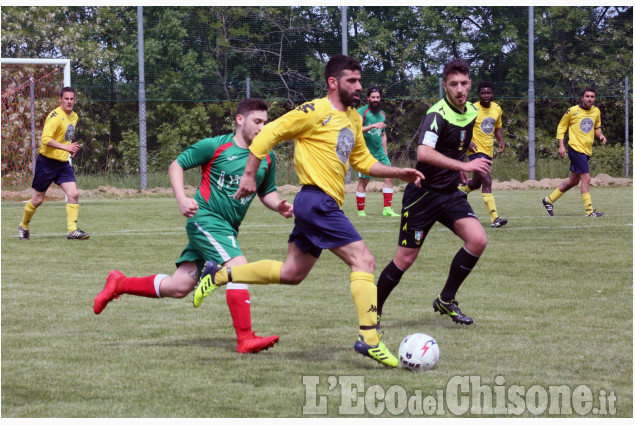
[477,244]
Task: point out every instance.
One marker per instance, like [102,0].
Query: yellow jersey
[326,141]
[60,127]
[581,124]
[487,120]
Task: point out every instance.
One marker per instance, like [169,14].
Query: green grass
[552,301]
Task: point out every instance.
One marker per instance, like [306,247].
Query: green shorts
[382,157]
[210,239]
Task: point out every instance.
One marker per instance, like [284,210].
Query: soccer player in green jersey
[328,136]
[53,166]
[487,126]
[582,123]
[374,129]
[213,219]
[446,132]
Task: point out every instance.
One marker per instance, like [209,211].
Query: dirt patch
[55,193]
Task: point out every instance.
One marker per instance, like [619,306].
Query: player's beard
[347,99]
[374,106]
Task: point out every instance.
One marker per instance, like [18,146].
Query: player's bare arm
[247,184]
[430,156]
[599,135]
[501,142]
[73,148]
[561,149]
[409,175]
[272,201]
[187,206]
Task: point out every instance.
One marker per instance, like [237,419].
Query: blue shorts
[49,171]
[320,223]
[479,155]
[579,161]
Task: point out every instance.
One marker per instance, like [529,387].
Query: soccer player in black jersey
[446,133]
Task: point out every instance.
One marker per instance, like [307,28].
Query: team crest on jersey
[487,126]
[418,236]
[70,133]
[586,125]
[345,142]
[462,137]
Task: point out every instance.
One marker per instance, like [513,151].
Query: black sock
[461,266]
[388,280]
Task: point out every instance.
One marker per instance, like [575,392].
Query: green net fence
[199,61]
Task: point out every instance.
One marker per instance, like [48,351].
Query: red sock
[387,199]
[140,286]
[240,309]
[361,202]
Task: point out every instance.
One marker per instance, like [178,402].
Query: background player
[487,125]
[581,122]
[214,217]
[327,134]
[52,166]
[374,129]
[445,134]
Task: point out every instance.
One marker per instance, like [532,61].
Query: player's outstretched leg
[206,283]
[378,352]
[110,291]
[548,206]
[255,343]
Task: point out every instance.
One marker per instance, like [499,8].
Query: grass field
[552,300]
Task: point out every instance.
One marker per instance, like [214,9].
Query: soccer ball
[419,352]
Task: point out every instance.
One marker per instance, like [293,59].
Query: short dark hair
[455,66]
[66,89]
[586,89]
[246,106]
[484,85]
[373,89]
[338,63]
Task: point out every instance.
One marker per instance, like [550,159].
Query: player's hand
[411,175]
[463,177]
[73,148]
[472,147]
[562,152]
[501,148]
[285,209]
[188,207]
[603,139]
[380,125]
[480,165]
[246,187]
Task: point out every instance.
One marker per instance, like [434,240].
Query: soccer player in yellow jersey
[582,123]
[52,165]
[328,136]
[487,126]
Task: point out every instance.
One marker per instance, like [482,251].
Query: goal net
[29,93]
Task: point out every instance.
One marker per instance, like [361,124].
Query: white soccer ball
[419,352]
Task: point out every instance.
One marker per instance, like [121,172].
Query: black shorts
[422,207]
[49,171]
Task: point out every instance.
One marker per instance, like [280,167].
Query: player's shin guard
[588,205]
[72,211]
[490,204]
[388,191]
[388,280]
[261,272]
[146,286]
[461,266]
[29,210]
[555,195]
[240,308]
[365,299]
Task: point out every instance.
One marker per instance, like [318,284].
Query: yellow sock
[555,195]
[72,211]
[588,205]
[29,210]
[490,204]
[364,294]
[465,188]
[261,272]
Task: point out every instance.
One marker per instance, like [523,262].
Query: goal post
[30,90]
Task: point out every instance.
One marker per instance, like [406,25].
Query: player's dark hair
[373,89]
[484,85]
[586,89]
[455,66]
[247,106]
[65,90]
[338,63]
